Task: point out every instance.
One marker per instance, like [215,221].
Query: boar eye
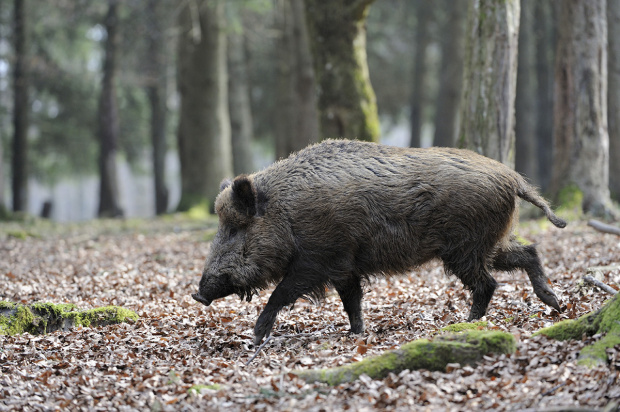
[233,232]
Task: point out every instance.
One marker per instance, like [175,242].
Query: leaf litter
[178,345]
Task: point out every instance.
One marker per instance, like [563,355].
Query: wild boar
[341,212]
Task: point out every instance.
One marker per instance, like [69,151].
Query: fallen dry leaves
[178,343]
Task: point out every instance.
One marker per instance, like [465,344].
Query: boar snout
[197,297]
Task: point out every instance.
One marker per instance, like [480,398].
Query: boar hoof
[197,297]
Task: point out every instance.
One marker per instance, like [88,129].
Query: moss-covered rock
[465,348]
[39,318]
[605,321]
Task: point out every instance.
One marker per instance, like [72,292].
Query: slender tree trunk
[205,148]
[450,75]
[526,160]
[108,120]
[419,93]
[307,118]
[346,100]
[487,106]
[613,16]
[544,26]
[156,92]
[239,105]
[20,109]
[285,94]
[581,140]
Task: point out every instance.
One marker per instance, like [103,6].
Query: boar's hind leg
[525,257]
[350,293]
[286,293]
[477,279]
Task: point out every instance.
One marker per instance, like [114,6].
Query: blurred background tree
[280,85]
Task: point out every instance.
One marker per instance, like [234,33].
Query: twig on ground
[258,350]
[603,227]
[600,284]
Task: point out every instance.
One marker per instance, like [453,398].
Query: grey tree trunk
[581,140]
[285,98]
[544,23]
[613,101]
[489,82]
[156,92]
[241,123]
[450,75]
[526,160]
[108,120]
[205,148]
[346,101]
[419,93]
[21,108]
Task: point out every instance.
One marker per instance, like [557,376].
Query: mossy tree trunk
[346,100]
[604,321]
[464,348]
[205,148]
[489,83]
[581,140]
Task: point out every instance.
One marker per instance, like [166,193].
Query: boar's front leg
[286,293]
[350,292]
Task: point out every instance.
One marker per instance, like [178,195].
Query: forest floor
[178,346]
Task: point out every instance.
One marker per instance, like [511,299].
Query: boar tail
[529,194]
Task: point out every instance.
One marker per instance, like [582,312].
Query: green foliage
[460,327]
[197,389]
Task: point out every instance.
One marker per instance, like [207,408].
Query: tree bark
[298,120]
[108,120]
[21,108]
[346,100]
[419,93]
[450,75]
[581,139]
[544,26]
[526,117]
[156,92]
[487,106]
[613,110]
[205,148]
[241,124]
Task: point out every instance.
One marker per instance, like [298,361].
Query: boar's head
[240,258]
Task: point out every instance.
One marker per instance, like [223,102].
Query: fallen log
[604,227]
[604,321]
[465,348]
[40,318]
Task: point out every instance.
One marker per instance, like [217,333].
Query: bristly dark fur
[342,212]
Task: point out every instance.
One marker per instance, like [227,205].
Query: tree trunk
[581,140]
[526,117]
[346,100]
[241,124]
[544,26]
[450,75]
[156,92]
[205,148]
[108,120]
[487,106]
[613,101]
[21,109]
[284,123]
[419,93]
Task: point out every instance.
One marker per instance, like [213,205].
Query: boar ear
[225,183]
[244,196]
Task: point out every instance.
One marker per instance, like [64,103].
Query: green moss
[197,389]
[465,348]
[460,327]
[40,317]
[603,321]
[6,304]
[570,200]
